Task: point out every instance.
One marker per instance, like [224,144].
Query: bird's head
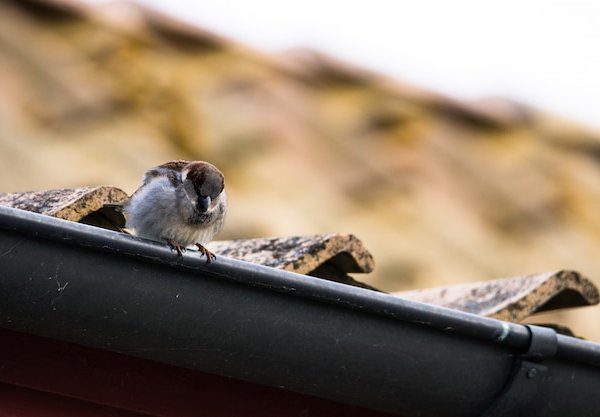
[207,183]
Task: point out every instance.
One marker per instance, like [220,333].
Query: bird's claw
[209,255]
[176,246]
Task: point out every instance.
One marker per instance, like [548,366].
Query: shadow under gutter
[108,290]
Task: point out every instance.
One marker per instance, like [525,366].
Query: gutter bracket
[519,395]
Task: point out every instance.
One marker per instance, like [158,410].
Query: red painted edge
[24,402]
[121,382]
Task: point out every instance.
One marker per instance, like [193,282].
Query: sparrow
[180,202]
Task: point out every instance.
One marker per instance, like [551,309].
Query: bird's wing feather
[172,170]
[176,165]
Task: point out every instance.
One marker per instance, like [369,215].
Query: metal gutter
[108,290]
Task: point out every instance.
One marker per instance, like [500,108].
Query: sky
[544,53]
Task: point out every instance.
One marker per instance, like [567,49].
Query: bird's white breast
[159,211]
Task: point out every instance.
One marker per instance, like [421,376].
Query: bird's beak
[203,203]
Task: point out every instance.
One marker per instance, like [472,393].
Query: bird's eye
[209,188]
[197,189]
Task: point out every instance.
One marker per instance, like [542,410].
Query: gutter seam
[519,397]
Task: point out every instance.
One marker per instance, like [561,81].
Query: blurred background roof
[441,190]
[540,52]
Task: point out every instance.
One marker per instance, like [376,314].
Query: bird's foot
[209,255]
[175,246]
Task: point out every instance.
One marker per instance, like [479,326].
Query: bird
[180,202]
